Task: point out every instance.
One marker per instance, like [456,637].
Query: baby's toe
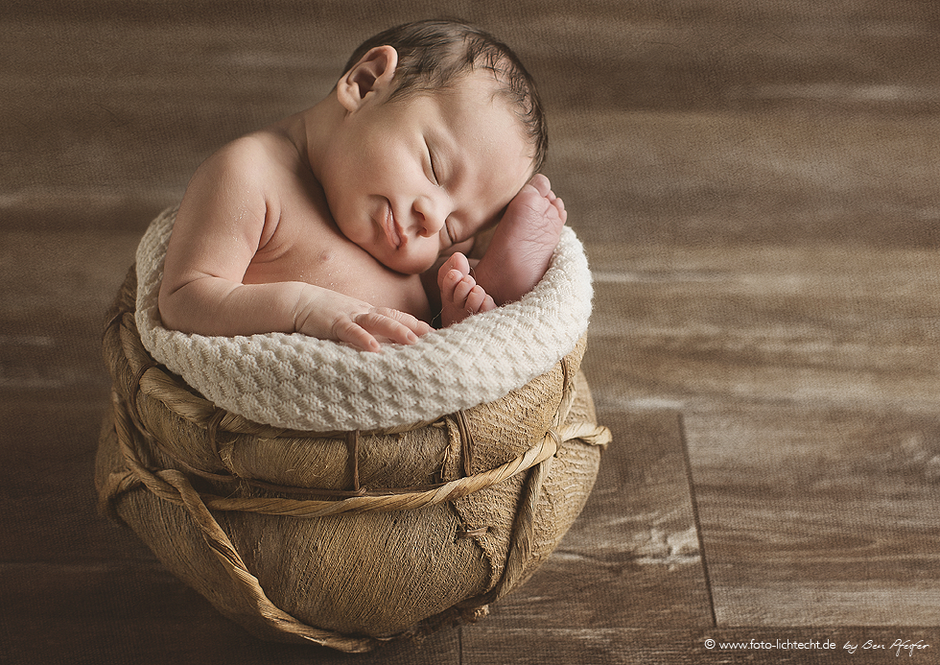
[448,283]
[479,301]
[541,184]
[463,289]
[456,262]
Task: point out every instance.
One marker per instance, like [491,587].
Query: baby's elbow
[170,310]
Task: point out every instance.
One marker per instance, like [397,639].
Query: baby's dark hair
[433,54]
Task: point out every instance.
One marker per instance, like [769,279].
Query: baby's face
[409,179]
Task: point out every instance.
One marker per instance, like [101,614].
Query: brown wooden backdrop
[756,182]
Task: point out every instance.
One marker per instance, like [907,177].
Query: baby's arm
[225,216]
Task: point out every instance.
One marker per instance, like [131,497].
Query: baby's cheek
[463,247]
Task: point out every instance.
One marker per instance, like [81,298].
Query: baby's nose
[430,215]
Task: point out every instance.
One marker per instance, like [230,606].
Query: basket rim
[301,383]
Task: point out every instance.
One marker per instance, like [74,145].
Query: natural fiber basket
[348,538]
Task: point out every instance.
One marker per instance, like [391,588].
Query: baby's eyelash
[433,170]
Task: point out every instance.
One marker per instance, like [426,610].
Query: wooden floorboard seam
[693,501]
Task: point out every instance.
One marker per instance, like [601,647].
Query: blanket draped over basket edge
[304,383]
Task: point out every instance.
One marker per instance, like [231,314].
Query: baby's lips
[390,226]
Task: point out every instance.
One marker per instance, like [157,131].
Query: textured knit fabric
[299,382]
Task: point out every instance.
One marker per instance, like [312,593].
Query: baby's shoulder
[253,154]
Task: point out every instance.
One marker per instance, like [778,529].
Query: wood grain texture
[755,182]
[808,382]
[93,612]
[833,524]
[655,646]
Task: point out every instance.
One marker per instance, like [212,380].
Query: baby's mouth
[392,230]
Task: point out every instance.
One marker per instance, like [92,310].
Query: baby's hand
[332,315]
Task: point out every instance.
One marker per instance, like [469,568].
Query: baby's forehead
[482,81]
[483,85]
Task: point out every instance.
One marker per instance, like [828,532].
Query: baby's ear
[372,74]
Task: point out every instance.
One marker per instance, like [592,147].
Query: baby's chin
[402,265]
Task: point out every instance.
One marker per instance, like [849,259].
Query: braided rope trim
[161,483]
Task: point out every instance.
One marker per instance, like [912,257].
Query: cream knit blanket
[299,382]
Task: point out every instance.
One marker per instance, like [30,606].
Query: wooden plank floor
[814,444]
[756,185]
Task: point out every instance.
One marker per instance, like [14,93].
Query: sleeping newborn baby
[350,221]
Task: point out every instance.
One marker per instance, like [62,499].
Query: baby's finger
[393,325]
[347,330]
[413,323]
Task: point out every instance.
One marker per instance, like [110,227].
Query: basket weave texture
[345,539]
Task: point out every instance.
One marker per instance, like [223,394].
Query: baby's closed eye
[431,167]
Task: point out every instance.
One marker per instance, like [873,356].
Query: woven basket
[344,539]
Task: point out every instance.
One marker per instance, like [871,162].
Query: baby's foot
[461,296]
[523,243]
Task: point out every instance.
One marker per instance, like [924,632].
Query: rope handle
[387,501]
